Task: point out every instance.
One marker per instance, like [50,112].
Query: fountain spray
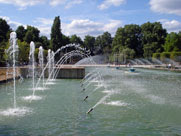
[32,60]
[13,49]
[41,62]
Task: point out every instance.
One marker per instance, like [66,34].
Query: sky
[90,17]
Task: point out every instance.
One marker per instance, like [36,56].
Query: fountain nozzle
[90,110]
[86,97]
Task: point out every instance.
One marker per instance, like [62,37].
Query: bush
[156,55]
[165,55]
[175,56]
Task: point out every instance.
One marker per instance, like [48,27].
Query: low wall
[6,74]
[71,73]
[63,73]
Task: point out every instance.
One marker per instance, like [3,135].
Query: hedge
[171,55]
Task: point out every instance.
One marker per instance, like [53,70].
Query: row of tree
[132,40]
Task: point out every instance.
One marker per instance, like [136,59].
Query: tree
[173,42]
[32,34]
[89,43]
[56,36]
[45,42]
[103,43]
[128,37]
[20,31]
[128,53]
[65,40]
[153,38]
[4,29]
[75,39]
[24,48]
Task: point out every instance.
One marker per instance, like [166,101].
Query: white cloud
[44,21]
[57,2]
[80,27]
[171,26]
[166,6]
[73,2]
[107,3]
[22,3]
[68,3]
[88,27]
[13,24]
[45,30]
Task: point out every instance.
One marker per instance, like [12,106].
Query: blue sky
[93,17]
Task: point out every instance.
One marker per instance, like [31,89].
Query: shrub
[165,55]
[156,55]
[175,56]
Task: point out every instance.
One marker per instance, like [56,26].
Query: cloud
[13,24]
[88,27]
[171,26]
[22,3]
[44,21]
[107,3]
[68,3]
[73,2]
[56,2]
[166,6]
[80,27]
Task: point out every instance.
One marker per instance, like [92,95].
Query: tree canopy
[56,36]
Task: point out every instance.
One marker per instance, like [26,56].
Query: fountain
[13,53]
[147,103]
[32,68]
[41,64]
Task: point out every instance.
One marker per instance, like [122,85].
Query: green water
[144,103]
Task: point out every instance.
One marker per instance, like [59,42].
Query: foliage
[173,42]
[24,48]
[4,29]
[128,37]
[32,34]
[76,39]
[165,55]
[89,43]
[156,55]
[21,32]
[65,40]
[103,43]
[153,37]
[56,38]
[128,53]
[175,56]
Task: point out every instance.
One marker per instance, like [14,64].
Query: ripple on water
[156,99]
[31,97]
[40,88]
[50,83]
[111,91]
[116,103]
[21,111]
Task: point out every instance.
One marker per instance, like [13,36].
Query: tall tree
[20,31]
[56,36]
[153,38]
[4,29]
